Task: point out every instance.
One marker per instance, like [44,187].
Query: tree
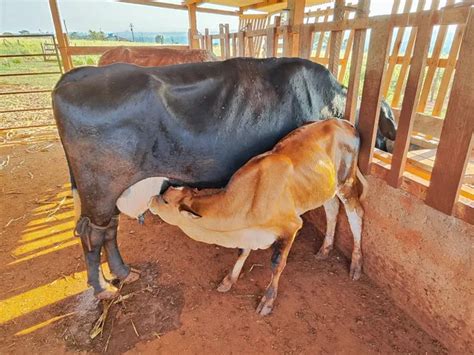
[160,39]
[24,32]
[97,35]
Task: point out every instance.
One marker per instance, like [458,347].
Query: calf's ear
[188,212]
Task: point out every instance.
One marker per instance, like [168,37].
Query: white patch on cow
[77,205]
[243,239]
[326,112]
[339,101]
[134,201]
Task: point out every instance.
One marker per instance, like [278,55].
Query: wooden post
[336,38]
[226,41]
[234,45]
[305,42]
[295,19]
[241,36]
[410,99]
[456,137]
[270,42]
[208,40]
[372,93]
[192,19]
[222,40]
[356,63]
[65,58]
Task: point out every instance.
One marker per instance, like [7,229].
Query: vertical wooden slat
[241,36]
[234,45]
[305,42]
[433,65]
[287,43]
[271,44]
[192,19]
[63,49]
[410,99]
[226,41]
[406,60]
[221,40]
[295,19]
[336,39]
[392,60]
[356,64]
[250,42]
[208,40]
[372,93]
[456,136]
[448,71]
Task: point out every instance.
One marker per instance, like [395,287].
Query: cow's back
[154,56]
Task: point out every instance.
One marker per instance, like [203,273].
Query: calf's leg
[114,259]
[233,275]
[331,209]
[280,255]
[355,212]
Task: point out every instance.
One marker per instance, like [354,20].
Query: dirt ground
[45,305]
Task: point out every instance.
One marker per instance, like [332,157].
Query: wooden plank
[392,59]
[448,71]
[241,43]
[226,41]
[295,19]
[372,93]
[271,41]
[222,41]
[208,40]
[305,42]
[356,65]
[410,99]
[234,45]
[336,39]
[168,5]
[250,41]
[433,64]
[65,58]
[287,43]
[456,141]
[192,21]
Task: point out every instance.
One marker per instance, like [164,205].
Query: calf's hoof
[132,276]
[109,293]
[225,285]
[323,253]
[356,270]
[265,306]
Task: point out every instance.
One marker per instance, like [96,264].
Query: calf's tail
[364,183]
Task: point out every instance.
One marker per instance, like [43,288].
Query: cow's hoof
[109,293]
[323,253]
[132,276]
[356,270]
[225,285]
[265,306]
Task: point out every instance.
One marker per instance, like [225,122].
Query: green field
[46,82]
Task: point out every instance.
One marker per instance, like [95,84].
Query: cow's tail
[364,184]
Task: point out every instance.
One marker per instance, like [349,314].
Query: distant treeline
[126,36]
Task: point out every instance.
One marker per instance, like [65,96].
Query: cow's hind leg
[233,276]
[114,259]
[355,212]
[281,250]
[331,208]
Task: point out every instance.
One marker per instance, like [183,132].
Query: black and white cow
[127,129]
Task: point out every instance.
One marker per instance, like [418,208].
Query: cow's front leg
[280,254]
[233,276]
[118,268]
[92,240]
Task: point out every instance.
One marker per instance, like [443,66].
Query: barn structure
[419,226]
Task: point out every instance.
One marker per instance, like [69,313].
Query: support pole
[66,59]
[192,19]
[336,39]
[295,19]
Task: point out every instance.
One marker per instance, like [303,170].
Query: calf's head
[173,206]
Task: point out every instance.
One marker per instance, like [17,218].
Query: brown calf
[155,56]
[315,165]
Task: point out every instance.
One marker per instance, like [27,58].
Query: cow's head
[387,130]
[173,206]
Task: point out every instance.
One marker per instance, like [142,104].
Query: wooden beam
[410,99]
[456,139]
[336,39]
[62,44]
[295,19]
[192,21]
[372,93]
[167,5]
[356,63]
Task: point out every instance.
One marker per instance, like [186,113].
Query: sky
[110,16]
